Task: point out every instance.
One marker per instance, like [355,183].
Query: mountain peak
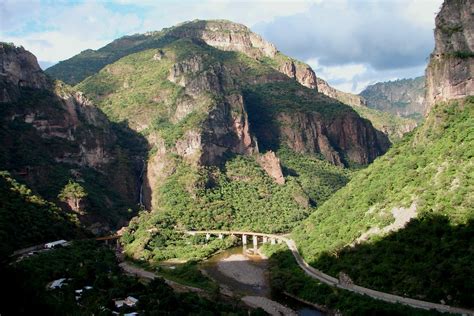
[18,68]
[226,35]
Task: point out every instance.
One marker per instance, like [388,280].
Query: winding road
[329,280]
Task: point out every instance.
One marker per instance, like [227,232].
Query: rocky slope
[227,36]
[52,133]
[450,72]
[191,100]
[404,224]
[404,98]
[388,123]
[346,98]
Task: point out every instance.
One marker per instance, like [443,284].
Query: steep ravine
[52,134]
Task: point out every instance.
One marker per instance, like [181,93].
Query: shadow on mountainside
[56,145]
[430,259]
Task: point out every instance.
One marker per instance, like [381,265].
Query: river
[244,275]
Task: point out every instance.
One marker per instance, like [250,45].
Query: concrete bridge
[246,237]
[327,279]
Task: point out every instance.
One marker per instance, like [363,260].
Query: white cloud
[349,43]
[52,47]
[165,14]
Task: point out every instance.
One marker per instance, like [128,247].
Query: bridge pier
[244,239]
[273,242]
[264,240]
[221,236]
[208,236]
[255,243]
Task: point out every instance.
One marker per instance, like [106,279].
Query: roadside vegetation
[287,276]
[430,171]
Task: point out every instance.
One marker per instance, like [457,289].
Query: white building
[53,244]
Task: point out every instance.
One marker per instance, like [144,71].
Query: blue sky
[350,43]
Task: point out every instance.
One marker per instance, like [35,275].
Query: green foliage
[74,192]
[289,96]
[287,276]
[463,54]
[318,178]
[430,244]
[34,159]
[27,219]
[429,170]
[86,263]
[239,196]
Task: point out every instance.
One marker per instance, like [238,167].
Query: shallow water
[214,267]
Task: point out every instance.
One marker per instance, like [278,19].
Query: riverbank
[239,268]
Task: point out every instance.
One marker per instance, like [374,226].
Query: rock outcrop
[302,73]
[450,71]
[19,69]
[52,133]
[271,164]
[226,35]
[343,139]
[344,97]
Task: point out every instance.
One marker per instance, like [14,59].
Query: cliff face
[52,133]
[344,97]
[450,72]
[226,35]
[404,98]
[19,69]
[188,98]
[302,73]
[340,135]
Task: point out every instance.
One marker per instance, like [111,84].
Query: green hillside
[430,173]
[27,219]
[235,193]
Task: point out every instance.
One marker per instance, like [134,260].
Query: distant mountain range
[404,97]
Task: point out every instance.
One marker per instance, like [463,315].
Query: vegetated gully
[241,273]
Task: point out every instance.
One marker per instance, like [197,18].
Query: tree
[73,193]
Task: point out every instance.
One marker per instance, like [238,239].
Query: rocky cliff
[346,98]
[226,35]
[19,69]
[52,134]
[189,97]
[388,123]
[404,98]
[449,74]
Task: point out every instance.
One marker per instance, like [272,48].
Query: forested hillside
[409,215]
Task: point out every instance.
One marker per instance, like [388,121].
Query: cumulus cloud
[380,33]
[348,42]
[57,31]
[380,39]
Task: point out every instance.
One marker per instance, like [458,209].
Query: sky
[349,43]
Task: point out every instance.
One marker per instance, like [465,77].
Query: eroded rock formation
[52,133]
[450,72]
[271,164]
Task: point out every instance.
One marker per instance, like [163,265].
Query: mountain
[51,134]
[203,102]
[404,225]
[237,133]
[227,36]
[449,74]
[390,124]
[404,98]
